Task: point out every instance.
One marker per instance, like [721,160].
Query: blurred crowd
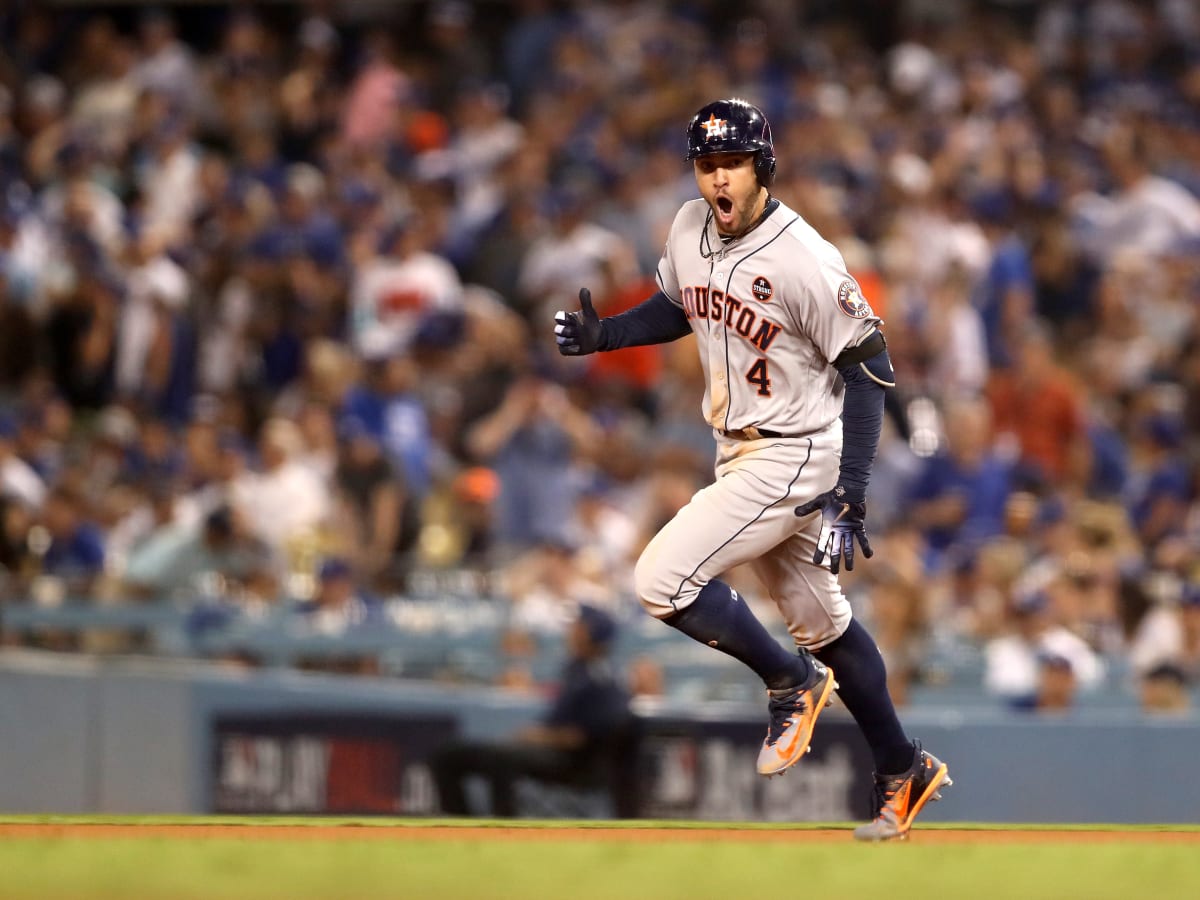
[277,285]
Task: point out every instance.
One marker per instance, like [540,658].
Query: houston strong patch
[761,288]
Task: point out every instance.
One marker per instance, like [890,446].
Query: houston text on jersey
[705,303]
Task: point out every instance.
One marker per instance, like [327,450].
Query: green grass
[600,824]
[99,868]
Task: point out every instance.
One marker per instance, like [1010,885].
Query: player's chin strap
[871,358]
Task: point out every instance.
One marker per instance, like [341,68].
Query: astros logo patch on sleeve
[851,300]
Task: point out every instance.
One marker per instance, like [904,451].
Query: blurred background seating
[277,387]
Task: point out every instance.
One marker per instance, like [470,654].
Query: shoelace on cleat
[782,709]
[884,793]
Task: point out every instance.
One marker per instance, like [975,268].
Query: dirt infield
[632,834]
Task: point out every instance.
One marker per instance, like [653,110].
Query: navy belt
[752,434]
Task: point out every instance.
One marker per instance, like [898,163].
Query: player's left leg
[819,619]
[744,513]
[898,798]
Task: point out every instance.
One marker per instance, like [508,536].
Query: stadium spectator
[1039,404]
[532,440]
[167,64]
[1056,686]
[370,498]
[960,496]
[186,561]
[1163,690]
[1005,300]
[387,405]
[1014,660]
[576,741]
[1148,214]
[73,555]
[338,607]
[18,562]
[18,480]
[400,285]
[285,502]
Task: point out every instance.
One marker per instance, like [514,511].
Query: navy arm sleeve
[653,321]
[862,422]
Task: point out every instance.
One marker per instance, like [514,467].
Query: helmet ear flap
[764,168]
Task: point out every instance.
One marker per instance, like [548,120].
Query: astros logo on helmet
[734,126]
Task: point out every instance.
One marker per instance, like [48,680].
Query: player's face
[727,181]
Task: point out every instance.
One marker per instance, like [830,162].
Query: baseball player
[796,368]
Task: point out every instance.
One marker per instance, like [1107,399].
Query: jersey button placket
[717,362]
[716,365]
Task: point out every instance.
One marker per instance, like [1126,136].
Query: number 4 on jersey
[758,375]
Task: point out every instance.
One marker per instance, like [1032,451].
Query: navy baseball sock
[862,685]
[720,618]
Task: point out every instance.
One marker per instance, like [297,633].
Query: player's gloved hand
[578,333]
[843,521]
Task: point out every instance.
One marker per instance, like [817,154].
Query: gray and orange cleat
[794,714]
[898,798]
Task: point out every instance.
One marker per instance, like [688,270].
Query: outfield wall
[146,736]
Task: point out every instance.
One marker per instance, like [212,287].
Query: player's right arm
[655,320]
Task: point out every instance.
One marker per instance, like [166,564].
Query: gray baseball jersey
[770,311]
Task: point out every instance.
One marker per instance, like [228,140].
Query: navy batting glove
[842,523]
[578,333]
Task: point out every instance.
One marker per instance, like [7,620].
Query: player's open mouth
[725,210]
